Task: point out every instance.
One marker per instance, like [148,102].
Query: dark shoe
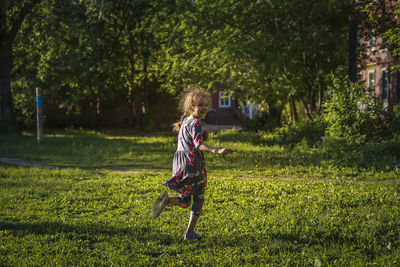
[192,236]
[160,204]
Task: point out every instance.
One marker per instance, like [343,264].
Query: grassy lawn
[252,158]
[335,215]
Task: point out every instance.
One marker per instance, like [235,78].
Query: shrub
[309,132]
[356,114]
[376,155]
[338,149]
[261,122]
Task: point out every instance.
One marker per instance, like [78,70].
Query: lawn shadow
[276,242]
[281,159]
[90,152]
[85,231]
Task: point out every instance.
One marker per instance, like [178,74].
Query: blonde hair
[189,98]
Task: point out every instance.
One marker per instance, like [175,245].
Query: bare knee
[183,205]
[184,202]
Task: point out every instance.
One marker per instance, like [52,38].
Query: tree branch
[16,23]
[3,27]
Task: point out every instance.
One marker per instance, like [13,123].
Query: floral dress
[189,176]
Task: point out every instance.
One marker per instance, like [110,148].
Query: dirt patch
[127,172]
[129,169]
[22,162]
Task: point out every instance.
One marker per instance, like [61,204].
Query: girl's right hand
[224,151]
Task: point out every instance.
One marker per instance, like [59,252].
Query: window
[371,79]
[385,84]
[383,44]
[371,41]
[224,100]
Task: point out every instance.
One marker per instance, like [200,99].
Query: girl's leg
[195,213]
[173,201]
[190,234]
[192,222]
[182,202]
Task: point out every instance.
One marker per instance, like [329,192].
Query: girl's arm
[221,151]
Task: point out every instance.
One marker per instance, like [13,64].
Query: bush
[309,132]
[356,114]
[338,149]
[376,155]
[261,122]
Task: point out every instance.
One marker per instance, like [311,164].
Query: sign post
[39,114]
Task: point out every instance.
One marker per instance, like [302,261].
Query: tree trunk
[131,82]
[98,113]
[145,104]
[293,110]
[307,109]
[131,102]
[7,118]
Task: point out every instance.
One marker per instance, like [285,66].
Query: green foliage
[382,16]
[356,114]
[274,49]
[338,149]
[381,155]
[72,217]
[262,122]
[90,54]
[289,135]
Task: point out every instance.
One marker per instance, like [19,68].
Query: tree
[272,52]
[93,53]
[381,18]
[12,15]
[137,45]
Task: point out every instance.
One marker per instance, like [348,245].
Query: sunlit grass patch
[255,154]
[75,217]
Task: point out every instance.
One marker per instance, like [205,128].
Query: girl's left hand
[224,151]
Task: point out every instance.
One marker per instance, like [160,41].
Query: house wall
[375,62]
[215,100]
[224,116]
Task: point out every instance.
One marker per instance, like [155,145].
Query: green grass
[257,210]
[90,150]
[252,158]
[77,217]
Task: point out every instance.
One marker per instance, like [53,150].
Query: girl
[189,176]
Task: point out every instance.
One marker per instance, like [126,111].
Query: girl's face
[200,109]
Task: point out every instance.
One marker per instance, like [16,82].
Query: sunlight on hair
[189,98]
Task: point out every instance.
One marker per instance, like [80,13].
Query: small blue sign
[39,101]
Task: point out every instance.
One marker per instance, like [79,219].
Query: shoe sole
[189,239]
[160,204]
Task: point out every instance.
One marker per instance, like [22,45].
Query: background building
[378,68]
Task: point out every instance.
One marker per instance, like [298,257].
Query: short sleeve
[196,133]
